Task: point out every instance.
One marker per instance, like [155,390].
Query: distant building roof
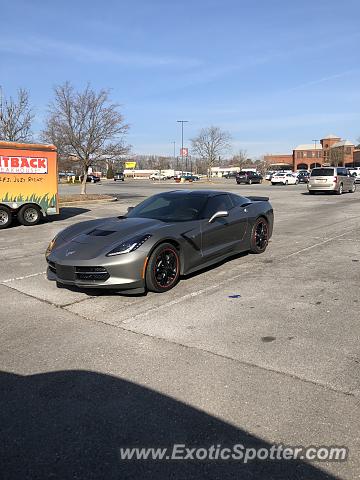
[343,143]
[331,136]
[309,146]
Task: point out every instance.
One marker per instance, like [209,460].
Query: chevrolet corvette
[164,237]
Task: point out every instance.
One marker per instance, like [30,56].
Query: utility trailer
[28,183]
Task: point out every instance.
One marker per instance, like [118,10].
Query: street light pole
[315,142]
[182,142]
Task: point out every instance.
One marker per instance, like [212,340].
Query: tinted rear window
[322,172]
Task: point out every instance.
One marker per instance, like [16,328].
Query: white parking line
[22,278]
[318,244]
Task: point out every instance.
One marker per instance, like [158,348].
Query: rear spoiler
[258,199]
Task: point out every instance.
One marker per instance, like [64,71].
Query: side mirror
[220,214]
[129,209]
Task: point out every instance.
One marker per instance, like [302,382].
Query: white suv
[355,172]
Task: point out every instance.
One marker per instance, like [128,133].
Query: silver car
[167,235]
[331,179]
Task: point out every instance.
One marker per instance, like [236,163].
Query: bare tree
[86,124]
[336,156]
[16,117]
[241,159]
[209,144]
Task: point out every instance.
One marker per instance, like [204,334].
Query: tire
[159,277]
[250,182]
[29,215]
[341,189]
[259,239]
[286,183]
[297,182]
[353,189]
[5,217]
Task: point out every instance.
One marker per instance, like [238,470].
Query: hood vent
[100,233]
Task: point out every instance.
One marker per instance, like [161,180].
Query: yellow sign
[130,165]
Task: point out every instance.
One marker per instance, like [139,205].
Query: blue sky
[275,73]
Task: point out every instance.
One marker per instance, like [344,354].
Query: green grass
[44,201]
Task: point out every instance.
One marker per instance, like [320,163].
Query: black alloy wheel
[163,269]
[259,236]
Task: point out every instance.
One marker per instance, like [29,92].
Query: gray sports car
[167,235]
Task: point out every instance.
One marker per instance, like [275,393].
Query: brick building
[330,150]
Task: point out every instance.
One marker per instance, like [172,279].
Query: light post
[315,142]
[182,142]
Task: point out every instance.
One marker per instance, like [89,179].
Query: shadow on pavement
[71,425]
[68,212]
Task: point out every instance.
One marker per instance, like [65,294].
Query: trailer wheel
[5,217]
[29,215]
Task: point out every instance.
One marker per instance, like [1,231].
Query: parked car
[187,178]
[229,175]
[119,176]
[284,179]
[303,176]
[248,177]
[134,251]
[269,174]
[331,179]
[191,178]
[157,176]
[355,172]
[90,178]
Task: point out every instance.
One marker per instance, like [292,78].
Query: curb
[87,202]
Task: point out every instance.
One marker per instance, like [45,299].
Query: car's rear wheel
[163,269]
[29,215]
[5,217]
[341,189]
[259,236]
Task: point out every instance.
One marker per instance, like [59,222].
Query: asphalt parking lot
[84,374]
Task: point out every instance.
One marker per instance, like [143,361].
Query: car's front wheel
[259,236]
[163,269]
[353,188]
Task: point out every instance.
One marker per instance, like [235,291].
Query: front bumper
[123,272]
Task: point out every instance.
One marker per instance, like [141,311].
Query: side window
[217,204]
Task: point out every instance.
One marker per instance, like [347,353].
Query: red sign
[32,165]
[184,152]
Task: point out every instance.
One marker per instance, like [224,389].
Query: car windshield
[322,172]
[170,207]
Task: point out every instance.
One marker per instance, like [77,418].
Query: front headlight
[51,246]
[129,245]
